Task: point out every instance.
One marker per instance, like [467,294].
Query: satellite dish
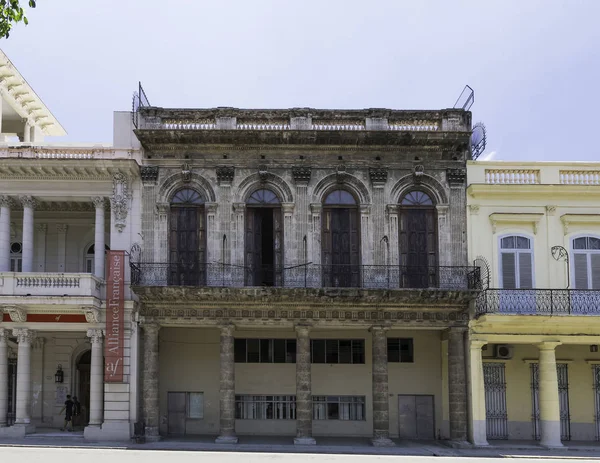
[478,140]
[465,99]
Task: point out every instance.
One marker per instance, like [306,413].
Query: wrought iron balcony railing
[306,276]
[539,301]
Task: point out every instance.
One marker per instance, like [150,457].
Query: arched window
[418,241]
[16,256]
[90,258]
[264,239]
[187,197]
[516,262]
[263,197]
[187,239]
[340,241]
[586,262]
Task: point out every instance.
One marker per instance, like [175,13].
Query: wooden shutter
[278,245]
[595,269]
[581,271]
[354,237]
[509,276]
[525,270]
[326,237]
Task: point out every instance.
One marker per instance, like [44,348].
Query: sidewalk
[325,445]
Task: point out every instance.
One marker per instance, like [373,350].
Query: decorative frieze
[378,175]
[301,174]
[149,174]
[456,176]
[225,174]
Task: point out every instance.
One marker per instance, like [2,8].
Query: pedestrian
[76,411]
[68,409]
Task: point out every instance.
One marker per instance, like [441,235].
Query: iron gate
[563,399]
[496,416]
[596,371]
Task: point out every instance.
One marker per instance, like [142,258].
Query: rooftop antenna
[466,99]
[478,140]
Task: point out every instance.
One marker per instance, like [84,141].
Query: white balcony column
[3,376]
[29,205]
[25,338]
[99,238]
[26,131]
[5,204]
[548,394]
[478,428]
[96,377]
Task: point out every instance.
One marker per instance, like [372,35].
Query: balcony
[308,275]
[539,302]
[50,284]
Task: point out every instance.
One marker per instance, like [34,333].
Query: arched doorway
[263,240]
[418,241]
[187,239]
[83,387]
[340,247]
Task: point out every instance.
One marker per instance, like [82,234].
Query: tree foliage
[11,12]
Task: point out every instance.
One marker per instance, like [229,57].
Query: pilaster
[25,338]
[61,246]
[41,230]
[477,417]
[3,376]
[5,205]
[381,401]
[227,387]
[303,387]
[150,388]
[548,395]
[457,387]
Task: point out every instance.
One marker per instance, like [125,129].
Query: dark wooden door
[187,246]
[263,246]
[418,248]
[84,395]
[340,247]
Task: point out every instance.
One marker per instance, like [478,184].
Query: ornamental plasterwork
[6,201]
[301,174]
[119,201]
[92,314]
[16,314]
[95,336]
[28,201]
[358,316]
[24,335]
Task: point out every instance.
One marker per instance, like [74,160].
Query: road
[104,455]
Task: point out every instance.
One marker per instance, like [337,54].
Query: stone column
[457,386]
[29,205]
[3,376]
[289,236]
[96,377]
[381,401]
[227,388]
[24,338]
[150,390]
[26,131]
[548,396]
[303,387]
[5,203]
[477,390]
[99,238]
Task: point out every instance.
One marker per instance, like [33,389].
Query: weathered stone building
[303,272]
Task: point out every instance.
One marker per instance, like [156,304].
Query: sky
[534,64]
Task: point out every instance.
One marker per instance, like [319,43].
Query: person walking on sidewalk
[68,409]
[76,412]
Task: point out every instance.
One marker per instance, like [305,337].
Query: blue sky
[534,65]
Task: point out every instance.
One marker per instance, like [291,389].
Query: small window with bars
[265,407]
[516,262]
[400,350]
[264,350]
[345,408]
[337,351]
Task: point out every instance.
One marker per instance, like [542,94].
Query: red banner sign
[115,314]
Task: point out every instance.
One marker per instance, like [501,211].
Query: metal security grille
[496,416]
[596,372]
[563,398]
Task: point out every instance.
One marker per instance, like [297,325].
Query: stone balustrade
[25,151]
[50,284]
[512,176]
[534,173]
[580,177]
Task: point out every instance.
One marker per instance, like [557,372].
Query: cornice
[480,190]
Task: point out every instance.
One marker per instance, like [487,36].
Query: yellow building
[534,228]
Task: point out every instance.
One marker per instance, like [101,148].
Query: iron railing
[307,275]
[539,301]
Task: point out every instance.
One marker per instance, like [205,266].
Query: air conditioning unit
[503,351]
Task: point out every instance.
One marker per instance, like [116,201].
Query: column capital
[6,201]
[98,202]
[95,336]
[151,328]
[315,208]
[548,345]
[379,329]
[24,335]
[227,329]
[4,333]
[287,208]
[303,329]
[477,345]
[239,207]
[162,208]
[28,201]
[41,227]
[61,227]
